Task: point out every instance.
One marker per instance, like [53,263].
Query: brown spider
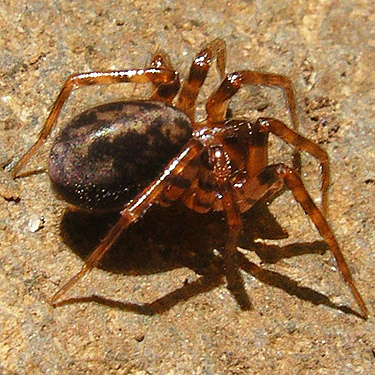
[215,164]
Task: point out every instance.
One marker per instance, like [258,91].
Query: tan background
[301,322]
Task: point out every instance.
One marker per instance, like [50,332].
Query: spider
[127,156]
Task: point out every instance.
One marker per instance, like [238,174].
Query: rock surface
[158,304]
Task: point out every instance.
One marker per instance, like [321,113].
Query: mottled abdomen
[107,154]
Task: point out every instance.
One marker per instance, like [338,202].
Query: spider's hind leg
[162,77]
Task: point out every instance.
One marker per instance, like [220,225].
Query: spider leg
[135,209]
[198,73]
[217,103]
[93,78]
[164,92]
[272,178]
[301,144]
[220,162]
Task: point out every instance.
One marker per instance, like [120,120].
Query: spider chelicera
[131,155]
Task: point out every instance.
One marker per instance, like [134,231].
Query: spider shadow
[174,237]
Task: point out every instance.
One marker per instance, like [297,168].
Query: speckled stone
[158,304]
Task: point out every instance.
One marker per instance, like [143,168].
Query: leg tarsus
[232,271]
[95,257]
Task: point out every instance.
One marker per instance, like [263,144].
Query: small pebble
[36,223]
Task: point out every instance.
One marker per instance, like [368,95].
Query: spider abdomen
[107,154]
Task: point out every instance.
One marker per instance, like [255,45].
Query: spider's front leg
[135,209]
[217,103]
[295,184]
[220,162]
[75,81]
[272,178]
[216,107]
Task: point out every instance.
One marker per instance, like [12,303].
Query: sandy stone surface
[158,304]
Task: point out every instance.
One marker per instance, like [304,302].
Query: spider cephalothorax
[131,155]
